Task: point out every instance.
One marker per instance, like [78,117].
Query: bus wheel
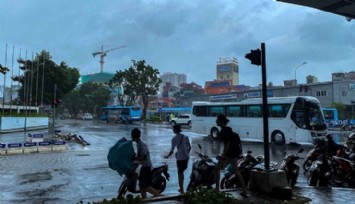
[278,138]
[214,133]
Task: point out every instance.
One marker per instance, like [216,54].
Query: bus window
[279,111]
[200,111]
[315,117]
[328,114]
[216,110]
[254,111]
[234,111]
[299,117]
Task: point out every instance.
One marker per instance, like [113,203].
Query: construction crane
[103,53]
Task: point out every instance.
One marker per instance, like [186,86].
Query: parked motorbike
[291,168]
[160,176]
[320,172]
[350,141]
[203,171]
[245,164]
[343,171]
[312,155]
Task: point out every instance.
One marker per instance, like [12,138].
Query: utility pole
[54,108]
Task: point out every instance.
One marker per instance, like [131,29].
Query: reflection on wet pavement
[82,173]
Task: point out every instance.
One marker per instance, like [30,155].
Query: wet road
[82,173]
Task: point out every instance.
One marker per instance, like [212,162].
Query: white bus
[296,119]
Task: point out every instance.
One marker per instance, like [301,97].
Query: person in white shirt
[145,174]
[182,144]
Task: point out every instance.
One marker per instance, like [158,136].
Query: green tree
[341,109]
[72,102]
[43,69]
[138,81]
[92,97]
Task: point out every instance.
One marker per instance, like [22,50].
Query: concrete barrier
[266,180]
[44,147]
[14,148]
[30,147]
[38,137]
[59,146]
[2,148]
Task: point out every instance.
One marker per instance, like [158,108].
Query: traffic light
[56,102]
[254,56]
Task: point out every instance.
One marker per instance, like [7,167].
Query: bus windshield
[308,115]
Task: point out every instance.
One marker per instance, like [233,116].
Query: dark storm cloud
[182,36]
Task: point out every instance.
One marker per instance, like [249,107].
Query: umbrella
[120,156]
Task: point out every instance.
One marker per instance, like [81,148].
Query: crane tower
[103,53]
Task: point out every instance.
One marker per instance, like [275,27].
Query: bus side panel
[247,128]
[202,125]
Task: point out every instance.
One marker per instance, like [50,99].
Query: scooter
[160,176]
[291,168]
[312,155]
[203,171]
[320,172]
[343,171]
[245,164]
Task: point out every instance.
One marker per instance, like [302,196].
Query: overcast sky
[181,36]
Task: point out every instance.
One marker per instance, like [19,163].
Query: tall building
[228,69]
[101,77]
[175,79]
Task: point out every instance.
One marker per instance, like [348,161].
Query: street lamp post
[303,63]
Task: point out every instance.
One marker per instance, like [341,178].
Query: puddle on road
[42,192]
[35,177]
[82,155]
[42,184]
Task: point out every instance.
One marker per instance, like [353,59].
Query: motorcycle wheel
[226,184]
[223,183]
[159,184]
[122,190]
[307,164]
[338,176]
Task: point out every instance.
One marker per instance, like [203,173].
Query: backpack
[236,143]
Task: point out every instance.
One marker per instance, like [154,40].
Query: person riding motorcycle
[331,148]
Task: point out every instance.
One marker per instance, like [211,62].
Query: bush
[130,199]
[205,196]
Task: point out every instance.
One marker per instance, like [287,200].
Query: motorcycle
[245,164]
[291,168]
[203,171]
[320,172]
[343,171]
[160,176]
[312,155]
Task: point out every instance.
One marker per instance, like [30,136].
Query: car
[182,119]
[86,116]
